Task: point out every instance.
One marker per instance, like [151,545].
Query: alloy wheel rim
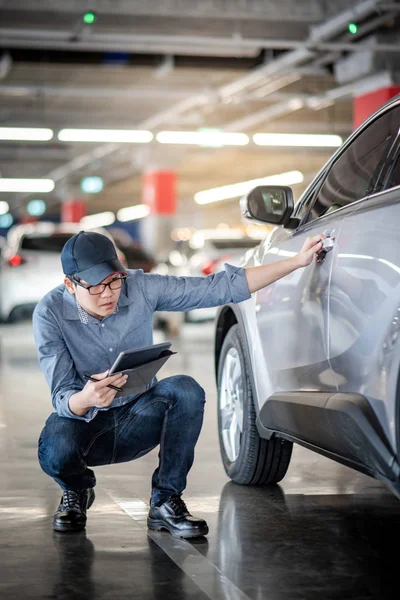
[231,404]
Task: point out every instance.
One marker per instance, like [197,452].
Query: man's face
[99,305]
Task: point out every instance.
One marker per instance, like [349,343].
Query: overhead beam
[67,91]
[289,10]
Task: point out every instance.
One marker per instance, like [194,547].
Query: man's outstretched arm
[234,284]
[259,277]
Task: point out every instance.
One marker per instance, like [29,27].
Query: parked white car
[31,266]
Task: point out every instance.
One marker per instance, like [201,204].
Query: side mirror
[271,204]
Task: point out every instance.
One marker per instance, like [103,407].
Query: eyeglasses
[95,290]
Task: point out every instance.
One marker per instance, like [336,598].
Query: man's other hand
[97,393]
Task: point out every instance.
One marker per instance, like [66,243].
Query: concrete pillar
[159,193]
[72,210]
[364,106]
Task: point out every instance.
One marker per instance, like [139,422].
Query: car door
[293,315]
[365,286]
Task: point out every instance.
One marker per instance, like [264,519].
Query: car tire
[248,459]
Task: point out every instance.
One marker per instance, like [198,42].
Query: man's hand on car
[311,247]
[261,276]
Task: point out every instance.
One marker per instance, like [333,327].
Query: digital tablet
[129,359]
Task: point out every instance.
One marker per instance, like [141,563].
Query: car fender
[244,314]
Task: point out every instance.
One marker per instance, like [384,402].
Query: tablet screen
[138,356]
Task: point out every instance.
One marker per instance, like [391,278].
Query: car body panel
[292,319]
[365,305]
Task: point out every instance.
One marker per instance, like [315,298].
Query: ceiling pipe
[319,33]
[361,86]
[92,92]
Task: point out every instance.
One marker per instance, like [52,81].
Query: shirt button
[102,324]
[110,349]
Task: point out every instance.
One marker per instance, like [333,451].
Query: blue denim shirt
[68,348]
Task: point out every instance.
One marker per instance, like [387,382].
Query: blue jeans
[169,414]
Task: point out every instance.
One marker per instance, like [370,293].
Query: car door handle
[327,245]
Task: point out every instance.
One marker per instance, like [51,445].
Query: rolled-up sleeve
[56,363]
[166,292]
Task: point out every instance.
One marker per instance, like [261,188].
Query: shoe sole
[160,525]
[68,528]
[74,528]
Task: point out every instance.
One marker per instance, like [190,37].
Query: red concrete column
[73,210]
[159,192]
[28,219]
[364,106]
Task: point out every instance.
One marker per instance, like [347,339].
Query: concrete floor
[326,532]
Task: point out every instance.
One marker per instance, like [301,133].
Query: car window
[354,174]
[48,243]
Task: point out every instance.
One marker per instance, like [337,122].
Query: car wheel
[248,459]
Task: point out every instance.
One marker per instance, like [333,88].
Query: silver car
[315,357]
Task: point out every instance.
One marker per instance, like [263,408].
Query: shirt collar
[70,309]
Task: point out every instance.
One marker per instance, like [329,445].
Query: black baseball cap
[90,256]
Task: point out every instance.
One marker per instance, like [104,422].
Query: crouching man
[80,327]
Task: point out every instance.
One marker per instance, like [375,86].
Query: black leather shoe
[71,514]
[174,516]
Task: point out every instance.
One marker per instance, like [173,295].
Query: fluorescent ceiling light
[98,220]
[4,208]
[26,134]
[130,213]
[203,138]
[297,139]
[240,189]
[128,136]
[42,186]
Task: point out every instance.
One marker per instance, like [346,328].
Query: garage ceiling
[237,65]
